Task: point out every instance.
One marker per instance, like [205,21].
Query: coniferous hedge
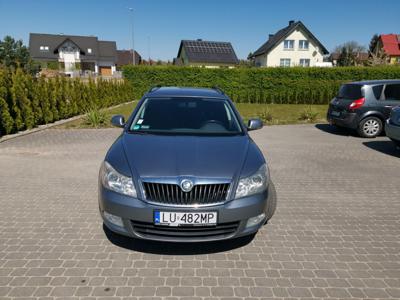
[259,85]
[26,102]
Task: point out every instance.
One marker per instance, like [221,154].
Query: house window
[285,62]
[304,62]
[303,45]
[288,44]
[89,50]
[44,48]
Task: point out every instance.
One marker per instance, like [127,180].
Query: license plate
[185,218]
[335,113]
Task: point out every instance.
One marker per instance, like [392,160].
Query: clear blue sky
[164,23]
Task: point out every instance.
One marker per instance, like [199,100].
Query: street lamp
[133,40]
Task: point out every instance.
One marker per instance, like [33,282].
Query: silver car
[185,169]
[392,127]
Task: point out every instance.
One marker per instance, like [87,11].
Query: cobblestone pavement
[335,234]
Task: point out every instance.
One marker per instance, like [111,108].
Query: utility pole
[133,39]
[148,47]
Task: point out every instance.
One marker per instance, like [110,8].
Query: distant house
[361,58]
[206,54]
[72,53]
[389,44]
[293,45]
[125,57]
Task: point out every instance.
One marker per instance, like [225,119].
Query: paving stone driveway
[335,234]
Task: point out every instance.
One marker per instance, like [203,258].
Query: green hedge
[259,85]
[26,102]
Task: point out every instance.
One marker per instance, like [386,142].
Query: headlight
[254,184]
[115,181]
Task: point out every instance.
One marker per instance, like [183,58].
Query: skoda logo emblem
[186,185]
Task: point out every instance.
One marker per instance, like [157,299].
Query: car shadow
[386,147]
[171,248]
[335,130]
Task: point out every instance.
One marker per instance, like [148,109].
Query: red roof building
[390,44]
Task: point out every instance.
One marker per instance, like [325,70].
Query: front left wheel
[370,127]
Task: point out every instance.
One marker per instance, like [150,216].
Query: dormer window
[89,50]
[288,44]
[44,48]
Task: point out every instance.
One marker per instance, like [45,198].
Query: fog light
[255,220]
[113,219]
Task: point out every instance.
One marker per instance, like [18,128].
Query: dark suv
[364,105]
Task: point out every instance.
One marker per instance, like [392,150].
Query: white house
[74,53]
[291,46]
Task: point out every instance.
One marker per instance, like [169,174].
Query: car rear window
[350,91]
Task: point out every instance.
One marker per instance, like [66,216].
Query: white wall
[274,56]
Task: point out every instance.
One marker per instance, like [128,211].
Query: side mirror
[254,124]
[118,121]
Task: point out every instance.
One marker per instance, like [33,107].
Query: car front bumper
[392,131]
[137,218]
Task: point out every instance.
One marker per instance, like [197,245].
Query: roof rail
[154,88]
[218,90]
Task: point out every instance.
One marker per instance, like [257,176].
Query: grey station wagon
[185,169]
[364,105]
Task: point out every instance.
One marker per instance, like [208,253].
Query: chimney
[291,22]
[270,36]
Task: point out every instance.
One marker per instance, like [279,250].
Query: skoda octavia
[185,169]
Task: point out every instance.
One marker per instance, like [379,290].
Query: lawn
[272,114]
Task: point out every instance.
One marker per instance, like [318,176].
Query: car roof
[185,91]
[373,82]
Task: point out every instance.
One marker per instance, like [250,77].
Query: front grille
[150,230]
[201,194]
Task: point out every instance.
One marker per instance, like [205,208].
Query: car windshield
[186,115]
[350,91]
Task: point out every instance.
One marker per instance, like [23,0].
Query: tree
[349,53]
[377,57]
[23,115]
[373,43]
[13,54]
[6,121]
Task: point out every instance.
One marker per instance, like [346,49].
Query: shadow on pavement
[335,130]
[170,248]
[386,147]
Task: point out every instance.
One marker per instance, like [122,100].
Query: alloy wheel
[371,127]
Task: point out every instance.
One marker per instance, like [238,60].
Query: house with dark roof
[207,54]
[73,54]
[389,45]
[361,58]
[125,57]
[293,45]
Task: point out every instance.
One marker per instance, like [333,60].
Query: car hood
[173,156]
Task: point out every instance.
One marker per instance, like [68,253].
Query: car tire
[271,202]
[370,127]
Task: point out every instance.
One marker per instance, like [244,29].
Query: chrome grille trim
[172,195]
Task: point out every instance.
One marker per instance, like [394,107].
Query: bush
[26,102]
[266,116]
[259,85]
[308,114]
[95,117]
